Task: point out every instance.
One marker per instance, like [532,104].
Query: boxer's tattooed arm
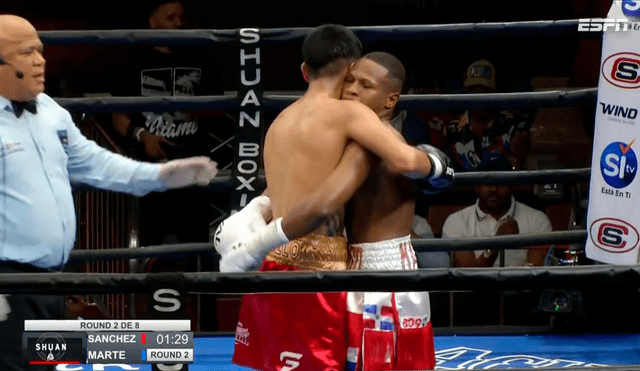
[334,226]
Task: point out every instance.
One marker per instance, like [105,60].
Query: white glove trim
[437,164]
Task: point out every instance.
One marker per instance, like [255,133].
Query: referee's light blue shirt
[39,155]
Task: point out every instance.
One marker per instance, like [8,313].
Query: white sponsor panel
[613,214]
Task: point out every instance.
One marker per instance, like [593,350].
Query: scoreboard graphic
[51,342]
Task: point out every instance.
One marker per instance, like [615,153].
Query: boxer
[382,95]
[302,146]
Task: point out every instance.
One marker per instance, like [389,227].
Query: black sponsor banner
[250,130]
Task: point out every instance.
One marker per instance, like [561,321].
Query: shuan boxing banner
[613,218]
[250,130]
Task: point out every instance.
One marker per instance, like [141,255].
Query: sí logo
[622,70]
[614,235]
[631,8]
[50,346]
[619,164]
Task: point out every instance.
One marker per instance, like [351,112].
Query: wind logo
[619,164]
[619,111]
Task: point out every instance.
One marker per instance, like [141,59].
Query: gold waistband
[312,252]
[354,260]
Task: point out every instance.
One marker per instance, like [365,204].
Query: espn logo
[614,235]
[602,24]
[622,70]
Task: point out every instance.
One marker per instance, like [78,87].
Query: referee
[41,151]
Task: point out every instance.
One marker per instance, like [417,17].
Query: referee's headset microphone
[19,73]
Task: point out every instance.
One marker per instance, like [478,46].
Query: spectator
[479,137]
[182,216]
[428,126]
[497,213]
[170,71]
[41,151]
[174,71]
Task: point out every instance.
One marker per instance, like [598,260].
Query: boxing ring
[452,351]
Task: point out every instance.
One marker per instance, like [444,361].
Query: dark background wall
[234,14]
[431,63]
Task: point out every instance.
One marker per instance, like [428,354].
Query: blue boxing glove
[441,176]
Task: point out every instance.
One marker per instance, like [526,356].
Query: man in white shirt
[496,213]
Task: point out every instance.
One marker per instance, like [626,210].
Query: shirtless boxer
[378,221]
[416,338]
[316,129]
[302,147]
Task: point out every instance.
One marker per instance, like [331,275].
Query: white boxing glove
[246,221]
[249,251]
[187,172]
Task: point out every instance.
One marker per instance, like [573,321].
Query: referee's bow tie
[19,107]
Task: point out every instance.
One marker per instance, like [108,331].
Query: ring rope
[542,99]
[219,183]
[505,242]
[156,251]
[523,177]
[444,102]
[510,242]
[274,36]
[222,182]
[133,104]
[441,102]
[435,279]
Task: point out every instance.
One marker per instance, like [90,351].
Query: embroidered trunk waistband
[313,252]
